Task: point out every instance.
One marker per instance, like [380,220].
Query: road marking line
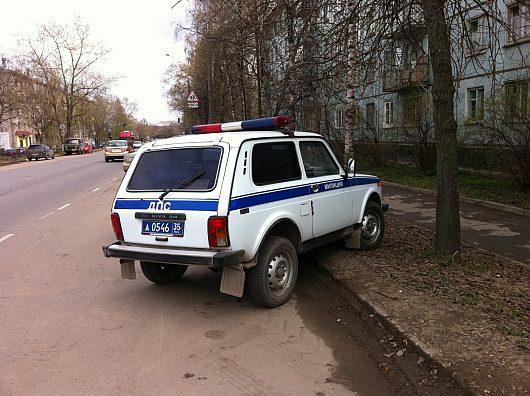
[6,237]
[95,189]
[64,206]
[46,215]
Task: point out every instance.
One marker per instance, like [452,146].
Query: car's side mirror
[351,166]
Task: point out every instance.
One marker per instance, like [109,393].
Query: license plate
[174,228]
[116,150]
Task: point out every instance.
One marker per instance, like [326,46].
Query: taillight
[218,231]
[116,226]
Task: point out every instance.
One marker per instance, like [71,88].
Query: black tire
[272,280]
[373,227]
[106,159]
[162,274]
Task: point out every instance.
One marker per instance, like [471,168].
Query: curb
[473,201]
[361,302]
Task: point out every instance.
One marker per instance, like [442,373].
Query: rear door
[171,192]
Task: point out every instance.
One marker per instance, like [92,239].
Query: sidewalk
[471,317]
[501,229]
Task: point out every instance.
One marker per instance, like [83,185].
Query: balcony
[413,75]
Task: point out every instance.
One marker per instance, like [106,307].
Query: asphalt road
[500,232]
[69,325]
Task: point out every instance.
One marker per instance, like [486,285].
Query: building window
[475,103]
[476,36]
[516,100]
[370,115]
[518,22]
[389,115]
[339,118]
[412,110]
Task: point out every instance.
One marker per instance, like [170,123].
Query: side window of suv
[317,159]
[274,163]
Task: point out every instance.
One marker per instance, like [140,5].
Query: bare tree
[66,53]
[9,94]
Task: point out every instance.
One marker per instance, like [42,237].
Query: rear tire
[106,159]
[272,280]
[373,227]
[162,274]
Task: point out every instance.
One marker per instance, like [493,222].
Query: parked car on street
[88,149]
[116,149]
[36,151]
[244,202]
[136,144]
[73,145]
[15,152]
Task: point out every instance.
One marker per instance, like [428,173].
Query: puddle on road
[355,340]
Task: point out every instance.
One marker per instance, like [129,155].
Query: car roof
[232,138]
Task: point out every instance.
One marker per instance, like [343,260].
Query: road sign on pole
[193,101]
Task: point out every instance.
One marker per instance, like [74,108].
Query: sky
[138,34]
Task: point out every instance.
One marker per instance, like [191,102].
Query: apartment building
[490,48]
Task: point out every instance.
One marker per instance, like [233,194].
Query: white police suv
[244,198]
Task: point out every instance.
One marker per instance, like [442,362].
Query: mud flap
[353,241]
[233,280]
[128,270]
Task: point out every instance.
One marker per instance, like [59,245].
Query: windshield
[117,143]
[169,169]
[75,141]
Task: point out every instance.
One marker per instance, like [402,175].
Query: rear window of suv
[190,169]
[117,143]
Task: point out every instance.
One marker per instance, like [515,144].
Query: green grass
[496,188]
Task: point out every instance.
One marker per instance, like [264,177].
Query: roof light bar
[264,124]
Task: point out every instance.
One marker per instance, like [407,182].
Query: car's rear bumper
[216,259]
[114,155]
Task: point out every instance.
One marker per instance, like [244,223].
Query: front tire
[373,227]
[162,274]
[272,280]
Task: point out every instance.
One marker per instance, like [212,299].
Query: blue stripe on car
[244,201]
[175,204]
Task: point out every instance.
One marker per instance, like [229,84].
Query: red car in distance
[88,149]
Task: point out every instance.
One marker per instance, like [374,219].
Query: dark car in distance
[74,145]
[15,152]
[36,151]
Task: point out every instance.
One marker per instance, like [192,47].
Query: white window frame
[475,103]
[476,40]
[339,118]
[518,23]
[388,121]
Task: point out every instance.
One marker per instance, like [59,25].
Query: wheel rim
[280,272]
[370,229]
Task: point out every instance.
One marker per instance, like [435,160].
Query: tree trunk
[447,205]
[351,105]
